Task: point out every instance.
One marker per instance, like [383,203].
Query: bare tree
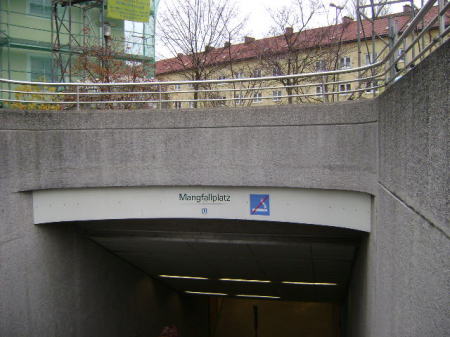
[193,30]
[369,12]
[109,64]
[297,49]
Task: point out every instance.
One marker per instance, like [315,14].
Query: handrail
[304,86]
[224,81]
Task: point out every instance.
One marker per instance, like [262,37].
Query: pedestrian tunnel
[269,261]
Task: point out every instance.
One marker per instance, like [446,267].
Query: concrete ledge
[356,112]
[330,146]
[318,156]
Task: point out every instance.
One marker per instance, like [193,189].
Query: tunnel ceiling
[236,249]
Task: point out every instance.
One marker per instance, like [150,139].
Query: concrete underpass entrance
[255,275]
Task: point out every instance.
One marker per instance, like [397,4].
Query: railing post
[441,4]
[324,86]
[160,96]
[78,97]
[392,42]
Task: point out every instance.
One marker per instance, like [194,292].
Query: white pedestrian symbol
[261,207]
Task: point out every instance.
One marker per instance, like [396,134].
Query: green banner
[131,10]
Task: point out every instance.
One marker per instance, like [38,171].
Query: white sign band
[310,206]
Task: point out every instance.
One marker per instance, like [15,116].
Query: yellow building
[316,50]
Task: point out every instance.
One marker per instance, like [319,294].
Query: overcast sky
[259,20]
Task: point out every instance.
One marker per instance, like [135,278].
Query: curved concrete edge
[341,209]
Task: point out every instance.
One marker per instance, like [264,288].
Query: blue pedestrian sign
[259,204]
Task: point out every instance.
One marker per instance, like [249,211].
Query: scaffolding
[70,27]
[66,41]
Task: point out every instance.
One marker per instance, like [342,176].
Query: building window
[257,97]
[177,105]
[344,88]
[239,74]
[177,87]
[40,68]
[370,85]
[276,96]
[191,105]
[277,71]
[321,65]
[319,89]
[257,73]
[40,7]
[345,62]
[371,58]
[221,78]
[238,99]
[401,55]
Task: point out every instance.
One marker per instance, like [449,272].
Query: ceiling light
[310,283]
[204,293]
[243,280]
[184,277]
[258,296]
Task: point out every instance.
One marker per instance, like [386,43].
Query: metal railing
[404,53]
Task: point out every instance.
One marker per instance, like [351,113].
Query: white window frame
[239,74]
[343,87]
[319,90]
[257,73]
[320,66]
[257,97]
[276,95]
[177,87]
[370,84]
[177,104]
[221,78]
[401,55]
[238,99]
[276,71]
[345,62]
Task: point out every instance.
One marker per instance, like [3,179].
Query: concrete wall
[401,282]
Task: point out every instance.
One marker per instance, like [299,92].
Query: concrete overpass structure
[96,206]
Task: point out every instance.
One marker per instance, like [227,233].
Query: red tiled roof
[317,37]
